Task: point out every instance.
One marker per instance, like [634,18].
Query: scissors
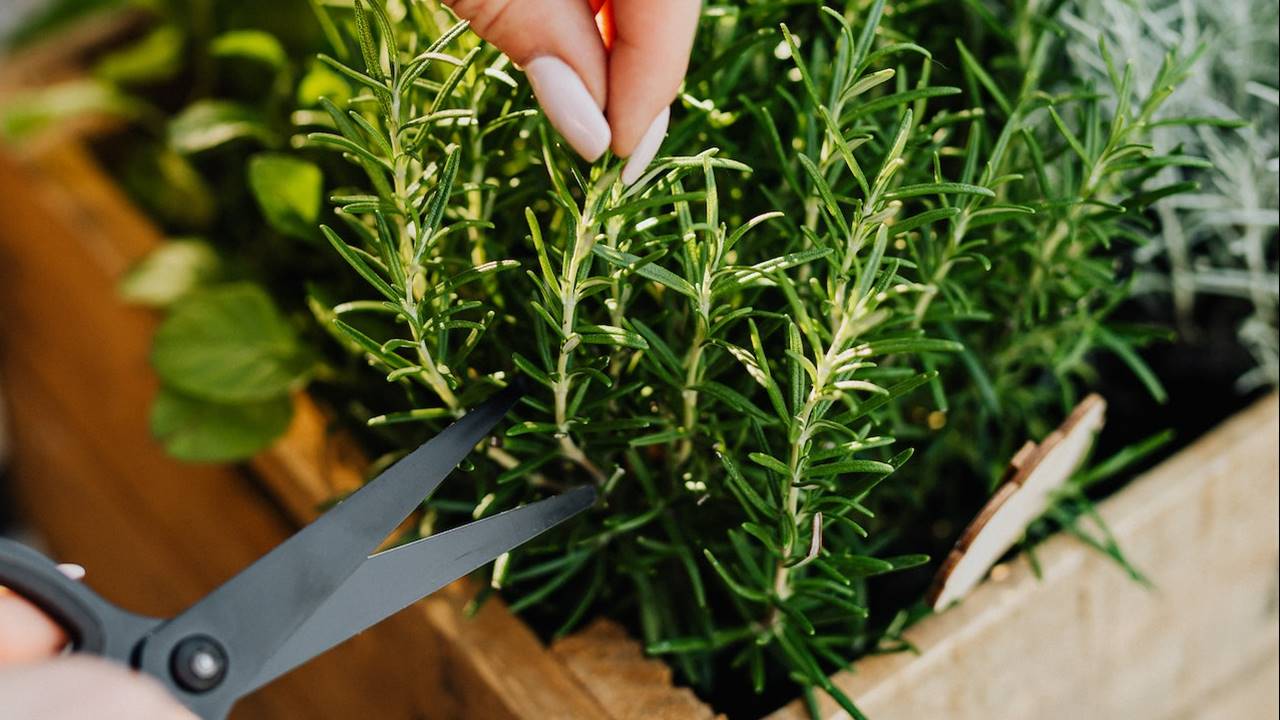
[313,591]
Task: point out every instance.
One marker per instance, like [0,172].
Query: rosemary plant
[735,352]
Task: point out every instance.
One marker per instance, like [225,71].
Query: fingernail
[569,106]
[647,148]
[71,570]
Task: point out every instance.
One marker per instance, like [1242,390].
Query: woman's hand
[36,684]
[580,82]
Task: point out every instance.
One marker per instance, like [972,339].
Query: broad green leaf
[207,124]
[229,344]
[169,272]
[202,431]
[321,82]
[289,192]
[255,45]
[169,187]
[156,56]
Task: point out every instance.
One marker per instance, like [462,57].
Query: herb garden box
[1202,526]
[1082,639]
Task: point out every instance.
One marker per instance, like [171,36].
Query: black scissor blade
[256,612]
[391,581]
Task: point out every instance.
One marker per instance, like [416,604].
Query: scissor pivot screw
[199,663]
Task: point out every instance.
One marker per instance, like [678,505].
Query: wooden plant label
[1033,475]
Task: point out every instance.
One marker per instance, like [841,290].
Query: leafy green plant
[735,354]
[228,361]
[227,356]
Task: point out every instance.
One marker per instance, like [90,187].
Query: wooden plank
[1255,694]
[1085,640]
[613,666]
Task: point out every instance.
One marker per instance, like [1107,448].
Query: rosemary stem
[584,238]
[693,376]
[413,270]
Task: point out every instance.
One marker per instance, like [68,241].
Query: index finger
[647,63]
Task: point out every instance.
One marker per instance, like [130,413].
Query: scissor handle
[69,603]
[93,625]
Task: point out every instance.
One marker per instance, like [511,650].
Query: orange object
[604,20]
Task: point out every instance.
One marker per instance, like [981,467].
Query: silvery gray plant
[1219,239]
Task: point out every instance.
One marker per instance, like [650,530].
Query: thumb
[559,46]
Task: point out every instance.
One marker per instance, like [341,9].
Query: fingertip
[72,571]
[647,64]
[569,106]
[647,149]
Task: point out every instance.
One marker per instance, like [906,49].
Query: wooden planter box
[1082,641]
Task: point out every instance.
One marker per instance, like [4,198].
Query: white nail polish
[569,106]
[71,570]
[647,148]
